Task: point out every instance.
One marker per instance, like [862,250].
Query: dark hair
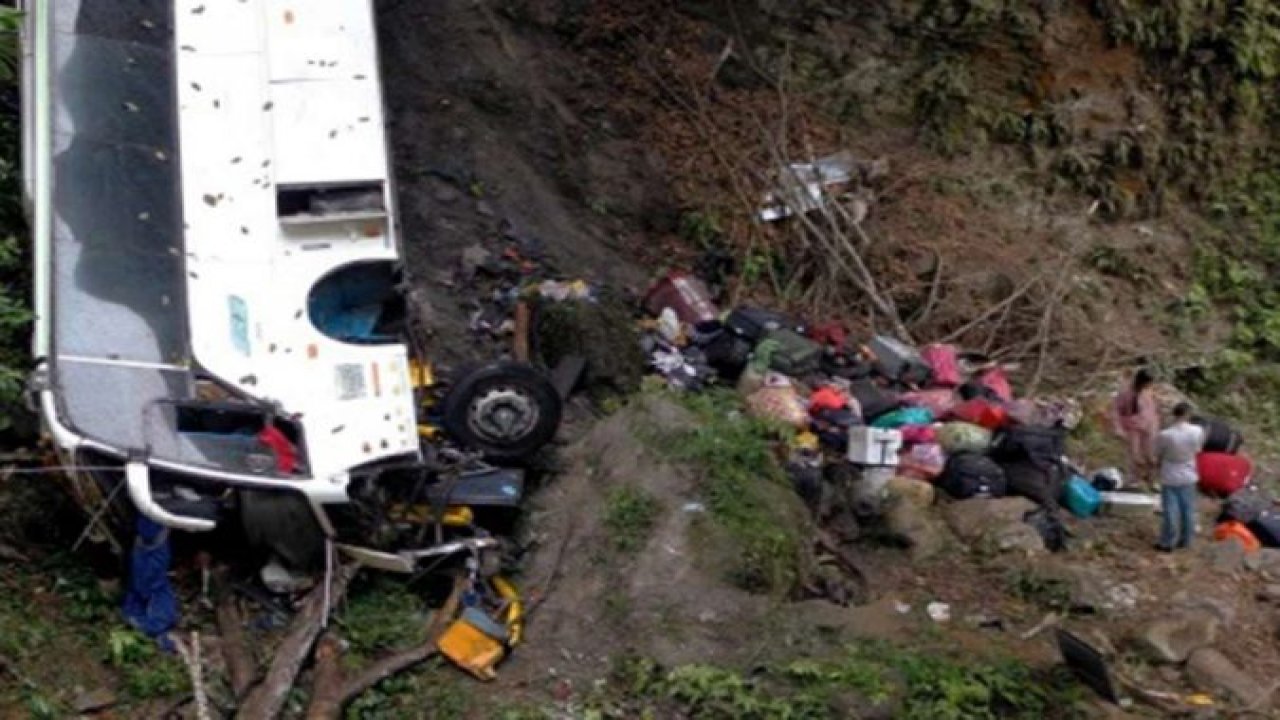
[1182,410]
[1141,381]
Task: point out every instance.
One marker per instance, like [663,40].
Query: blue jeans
[1178,515]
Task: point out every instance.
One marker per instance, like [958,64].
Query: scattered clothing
[149,602]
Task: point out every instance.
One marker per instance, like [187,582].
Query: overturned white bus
[220,330]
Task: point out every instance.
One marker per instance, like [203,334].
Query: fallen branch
[267,699]
[332,691]
[235,651]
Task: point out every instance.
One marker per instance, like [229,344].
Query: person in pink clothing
[1136,420]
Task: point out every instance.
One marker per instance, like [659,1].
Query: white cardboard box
[874,446]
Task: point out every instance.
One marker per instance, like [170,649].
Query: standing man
[1176,450]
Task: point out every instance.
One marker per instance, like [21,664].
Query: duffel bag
[904,416]
[1267,529]
[1222,474]
[969,475]
[1219,436]
[1042,446]
[1246,505]
[1041,485]
[980,412]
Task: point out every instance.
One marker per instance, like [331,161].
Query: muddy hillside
[829,306]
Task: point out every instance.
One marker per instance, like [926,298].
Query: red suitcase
[1222,474]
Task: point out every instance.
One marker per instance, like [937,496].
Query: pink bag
[938,401]
[998,383]
[945,364]
[923,462]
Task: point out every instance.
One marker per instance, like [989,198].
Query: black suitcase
[752,324]
[1219,436]
[970,475]
[1267,528]
[874,400]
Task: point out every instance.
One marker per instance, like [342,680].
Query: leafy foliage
[15,313]
[916,685]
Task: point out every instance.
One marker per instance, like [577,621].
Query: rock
[94,700]
[1266,562]
[1270,593]
[1088,589]
[474,258]
[1226,556]
[1173,639]
[1211,671]
[914,491]
[1018,537]
[910,519]
[1223,609]
[973,520]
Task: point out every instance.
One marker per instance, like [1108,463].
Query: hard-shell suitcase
[874,399]
[1081,498]
[796,355]
[896,360]
[943,360]
[1222,474]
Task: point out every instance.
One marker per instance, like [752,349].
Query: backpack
[968,475]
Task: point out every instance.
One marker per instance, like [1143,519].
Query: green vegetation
[382,614]
[629,515]
[746,492]
[910,684]
[15,312]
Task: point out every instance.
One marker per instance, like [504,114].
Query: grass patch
[383,615]
[910,684]
[629,514]
[1043,592]
[746,492]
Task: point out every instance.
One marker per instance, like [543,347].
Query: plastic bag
[923,462]
[964,437]
[779,400]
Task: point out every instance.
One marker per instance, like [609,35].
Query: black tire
[507,411]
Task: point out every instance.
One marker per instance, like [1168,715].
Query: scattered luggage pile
[932,414]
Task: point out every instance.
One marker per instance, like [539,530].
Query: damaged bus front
[220,329]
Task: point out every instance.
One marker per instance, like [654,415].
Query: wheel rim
[503,415]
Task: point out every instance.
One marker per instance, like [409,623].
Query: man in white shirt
[1176,450]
